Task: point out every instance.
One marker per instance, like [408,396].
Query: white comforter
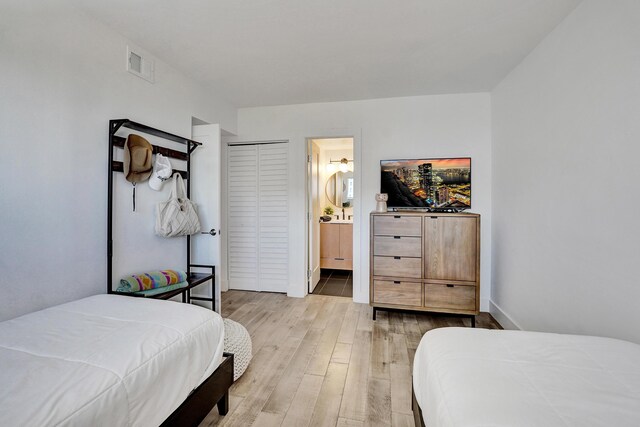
[105,360]
[477,377]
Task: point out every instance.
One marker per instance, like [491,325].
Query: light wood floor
[322,361]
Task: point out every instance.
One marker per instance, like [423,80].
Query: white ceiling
[273,52]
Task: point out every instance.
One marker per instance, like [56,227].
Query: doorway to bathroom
[330,215]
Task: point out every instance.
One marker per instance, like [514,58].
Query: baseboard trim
[503,318]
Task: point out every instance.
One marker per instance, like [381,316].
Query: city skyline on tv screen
[427,183]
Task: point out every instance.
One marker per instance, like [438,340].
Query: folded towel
[151,280]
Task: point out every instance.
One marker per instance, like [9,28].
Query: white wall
[433,126]
[566,126]
[62,78]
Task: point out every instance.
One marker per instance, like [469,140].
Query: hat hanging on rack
[137,162]
[161,172]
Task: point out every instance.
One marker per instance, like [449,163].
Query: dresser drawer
[397,266]
[397,246]
[397,292]
[457,297]
[397,225]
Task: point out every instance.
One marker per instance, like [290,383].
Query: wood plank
[316,306]
[304,401]
[264,382]
[281,397]
[402,420]
[398,353]
[396,323]
[327,406]
[341,353]
[320,360]
[346,422]
[357,381]
[379,366]
[267,419]
[365,319]
[349,325]
[401,389]
[379,403]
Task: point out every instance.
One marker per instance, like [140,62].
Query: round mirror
[339,189]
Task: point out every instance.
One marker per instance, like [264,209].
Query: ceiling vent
[140,63]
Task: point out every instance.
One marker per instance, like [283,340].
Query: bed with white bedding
[105,360]
[476,377]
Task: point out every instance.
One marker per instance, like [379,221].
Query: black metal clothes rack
[194,279]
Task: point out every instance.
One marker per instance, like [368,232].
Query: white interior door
[205,192]
[314,215]
[258,217]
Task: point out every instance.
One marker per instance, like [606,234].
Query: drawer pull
[396,257]
[396,237]
[450,286]
[397,282]
[433,217]
[397,216]
[339,259]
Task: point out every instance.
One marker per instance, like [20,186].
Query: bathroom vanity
[336,245]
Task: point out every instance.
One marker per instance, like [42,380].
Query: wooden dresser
[425,261]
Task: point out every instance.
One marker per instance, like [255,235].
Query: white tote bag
[177,216]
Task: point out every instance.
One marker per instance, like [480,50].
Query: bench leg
[223,404]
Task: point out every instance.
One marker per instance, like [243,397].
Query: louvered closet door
[258,213]
[273,219]
[242,216]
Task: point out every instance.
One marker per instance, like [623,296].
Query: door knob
[212,232]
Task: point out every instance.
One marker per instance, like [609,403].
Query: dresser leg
[473,321]
[374,313]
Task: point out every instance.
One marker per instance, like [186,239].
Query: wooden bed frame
[214,390]
[417,412]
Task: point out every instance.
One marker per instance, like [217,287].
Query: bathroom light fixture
[344,165]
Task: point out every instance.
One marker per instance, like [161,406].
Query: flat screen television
[436,184]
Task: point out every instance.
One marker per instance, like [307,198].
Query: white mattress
[106,360]
[477,377]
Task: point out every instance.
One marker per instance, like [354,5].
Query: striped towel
[151,280]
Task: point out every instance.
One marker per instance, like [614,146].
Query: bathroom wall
[326,155]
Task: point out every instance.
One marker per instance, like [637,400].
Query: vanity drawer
[450,296]
[397,292]
[336,263]
[397,225]
[397,266]
[397,246]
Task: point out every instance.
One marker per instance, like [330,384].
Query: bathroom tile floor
[337,283]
